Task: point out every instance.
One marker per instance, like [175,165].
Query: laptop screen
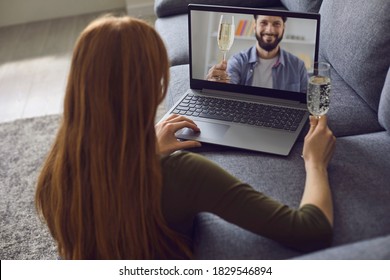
[252,51]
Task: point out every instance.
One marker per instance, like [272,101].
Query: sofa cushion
[174,32]
[347,110]
[359,179]
[178,84]
[372,249]
[164,8]
[349,114]
[302,5]
[355,39]
[384,104]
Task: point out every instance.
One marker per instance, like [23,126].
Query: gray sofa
[355,40]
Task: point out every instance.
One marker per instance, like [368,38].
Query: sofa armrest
[312,6]
[165,8]
[384,104]
[372,249]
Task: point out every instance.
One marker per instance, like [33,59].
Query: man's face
[269,31]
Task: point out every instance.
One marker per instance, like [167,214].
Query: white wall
[22,11]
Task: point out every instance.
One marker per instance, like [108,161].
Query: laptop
[246,106]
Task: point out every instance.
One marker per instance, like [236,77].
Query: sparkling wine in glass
[318,90]
[225,36]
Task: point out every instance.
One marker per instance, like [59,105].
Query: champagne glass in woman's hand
[318,89]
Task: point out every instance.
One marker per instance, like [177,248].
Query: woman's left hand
[165,132]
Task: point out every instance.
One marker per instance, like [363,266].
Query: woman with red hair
[112,188]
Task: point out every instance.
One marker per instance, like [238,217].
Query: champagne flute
[225,34]
[318,90]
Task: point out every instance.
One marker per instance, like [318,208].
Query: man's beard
[265,45]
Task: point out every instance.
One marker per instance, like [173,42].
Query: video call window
[295,38]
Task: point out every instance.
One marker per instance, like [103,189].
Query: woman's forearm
[317,191]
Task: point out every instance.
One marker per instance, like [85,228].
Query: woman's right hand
[165,133]
[319,143]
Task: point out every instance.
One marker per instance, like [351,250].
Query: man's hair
[283,18]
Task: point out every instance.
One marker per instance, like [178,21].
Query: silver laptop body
[241,129]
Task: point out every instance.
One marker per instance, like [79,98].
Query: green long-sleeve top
[193,184]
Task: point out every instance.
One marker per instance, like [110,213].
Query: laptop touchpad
[207,131]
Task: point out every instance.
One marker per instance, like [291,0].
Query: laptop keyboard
[240,112]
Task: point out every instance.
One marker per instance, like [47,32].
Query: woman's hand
[317,152]
[165,132]
[319,143]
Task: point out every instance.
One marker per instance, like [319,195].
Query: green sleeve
[193,184]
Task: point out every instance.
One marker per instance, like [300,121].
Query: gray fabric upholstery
[217,239]
[302,5]
[174,32]
[372,249]
[355,39]
[361,194]
[346,110]
[384,104]
[178,84]
[164,8]
[359,177]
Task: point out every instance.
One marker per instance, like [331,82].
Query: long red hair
[100,188]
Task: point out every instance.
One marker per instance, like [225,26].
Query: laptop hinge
[251,98]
